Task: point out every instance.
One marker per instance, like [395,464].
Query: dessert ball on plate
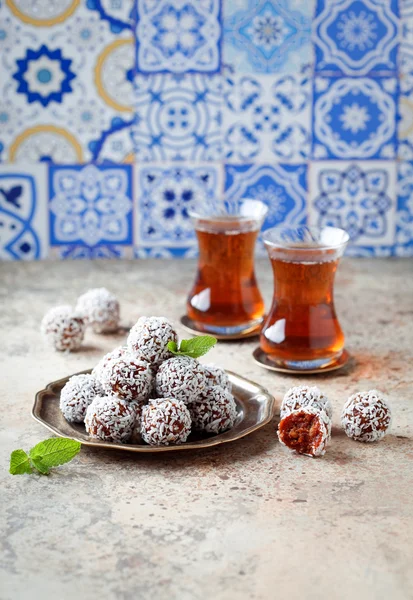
[100,309]
[306,430]
[165,421]
[149,339]
[217,376]
[303,395]
[110,419]
[109,357]
[63,328]
[128,378]
[76,396]
[181,377]
[136,437]
[366,416]
[214,411]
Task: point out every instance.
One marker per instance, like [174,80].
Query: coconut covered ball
[63,328]
[181,377]
[110,419]
[128,378]
[136,437]
[306,430]
[165,421]
[76,396]
[108,358]
[303,395]
[100,309]
[214,411]
[366,416]
[217,376]
[149,339]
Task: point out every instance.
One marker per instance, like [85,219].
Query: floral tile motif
[356,37]
[178,36]
[90,206]
[405,57]
[267,118]
[359,197]
[65,79]
[83,252]
[354,118]
[404,218]
[166,193]
[268,36]
[178,117]
[23,212]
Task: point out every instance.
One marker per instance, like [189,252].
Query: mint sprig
[194,348]
[45,455]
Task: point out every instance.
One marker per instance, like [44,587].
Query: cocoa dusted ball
[128,378]
[165,421]
[100,309]
[303,395]
[366,416]
[182,378]
[63,328]
[149,339]
[306,430]
[110,419]
[76,396]
[214,411]
[217,376]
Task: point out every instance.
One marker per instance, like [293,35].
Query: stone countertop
[247,520]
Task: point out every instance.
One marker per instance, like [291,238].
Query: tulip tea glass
[225,299]
[301,330]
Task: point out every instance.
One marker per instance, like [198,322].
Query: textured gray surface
[247,520]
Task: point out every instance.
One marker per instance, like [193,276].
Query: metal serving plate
[255,408]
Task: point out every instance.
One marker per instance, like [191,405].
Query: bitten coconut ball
[303,395]
[182,378]
[76,396]
[164,422]
[100,309]
[217,376]
[366,416]
[149,338]
[214,411]
[306,430]
[128,378]
[109,357]
[63,328]
[110,419]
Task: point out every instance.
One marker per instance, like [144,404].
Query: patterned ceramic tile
[404,224]
[354,117]
[268,36]
[165,194]
[178,117]
[83,252]
[90,206]
[405,125]
[267,118]
[356,37]
[405,57]
[23,212]
[359,197]
[65,80]
[178,36]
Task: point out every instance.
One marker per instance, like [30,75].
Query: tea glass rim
[285,245]
[197,214]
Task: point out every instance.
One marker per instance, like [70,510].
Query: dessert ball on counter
[110,419]
[165,421]
[76,396]
[109,357]
[306,430]
[217,376]
[214,411]
[303,395]
[366,416]
[128,378]
[63,328]
[149,338]
[182,378]
[100,309]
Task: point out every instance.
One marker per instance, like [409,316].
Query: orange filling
[301,432]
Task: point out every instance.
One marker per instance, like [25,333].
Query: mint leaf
[39,465]
[54,451]
[19,463]
[195,347]
[172,347]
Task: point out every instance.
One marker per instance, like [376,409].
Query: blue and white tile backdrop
[117,115]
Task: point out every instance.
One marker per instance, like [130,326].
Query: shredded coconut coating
[149,339]
[164,422]
[100,309]
[109,357]
[76,396]
[319,443]
[366,416]
[128,378]
[136,437]
[217,376]
[182,378]
[63,328]
[214,411]
[110,419]
[297,397]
